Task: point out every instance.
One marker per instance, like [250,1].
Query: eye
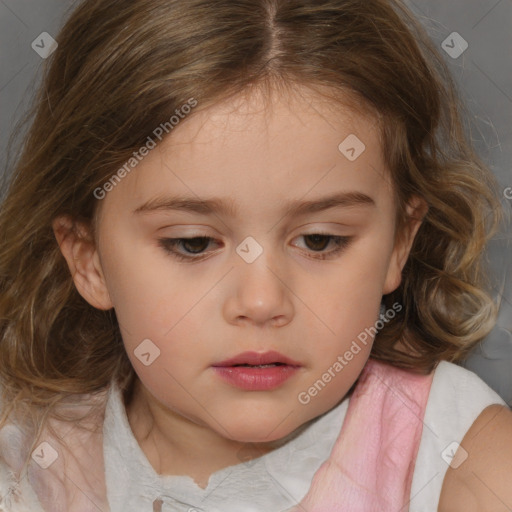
[317,242]
[196,245]
[190,249]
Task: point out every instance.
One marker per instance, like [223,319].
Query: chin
[257,431]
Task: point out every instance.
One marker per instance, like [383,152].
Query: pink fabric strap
[371,465]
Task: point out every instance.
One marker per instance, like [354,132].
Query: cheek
[172,362]
[347,298]
[346,303]
[162,304]
[148,293]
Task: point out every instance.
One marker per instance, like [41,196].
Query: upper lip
[255,358]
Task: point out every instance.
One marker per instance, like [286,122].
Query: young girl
[241,255]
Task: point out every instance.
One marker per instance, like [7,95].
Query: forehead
[260,149]
[263,112]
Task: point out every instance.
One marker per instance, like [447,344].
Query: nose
[260,295]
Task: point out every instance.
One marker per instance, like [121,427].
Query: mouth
[258,365]
[252,371]
[258,360]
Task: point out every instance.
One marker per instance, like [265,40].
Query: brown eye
[195,248]
[318,242]
[315,245]
[195,245]
[184,248]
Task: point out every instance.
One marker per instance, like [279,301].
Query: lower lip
[256,379]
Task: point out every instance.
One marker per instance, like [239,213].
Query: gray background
[483,72]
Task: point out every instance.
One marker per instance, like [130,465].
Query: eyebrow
[228,208]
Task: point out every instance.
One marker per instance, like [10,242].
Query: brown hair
[123,67]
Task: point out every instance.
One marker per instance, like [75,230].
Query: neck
[176,445]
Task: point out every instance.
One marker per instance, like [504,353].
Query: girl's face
[299,220]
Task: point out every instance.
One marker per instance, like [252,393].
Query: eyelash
[169,246]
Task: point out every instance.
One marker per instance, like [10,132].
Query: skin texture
[258,157]
[482,482]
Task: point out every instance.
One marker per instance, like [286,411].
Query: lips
[256,359]
[253,371]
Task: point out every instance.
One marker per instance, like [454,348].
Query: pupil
[203,242]
[316,239]
[199,244]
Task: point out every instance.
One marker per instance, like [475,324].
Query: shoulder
[456,399]
[460,393]
[458,404]
[481,482]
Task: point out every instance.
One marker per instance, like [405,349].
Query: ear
[79,250]
[416,210]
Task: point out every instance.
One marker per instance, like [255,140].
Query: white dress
[277,481]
